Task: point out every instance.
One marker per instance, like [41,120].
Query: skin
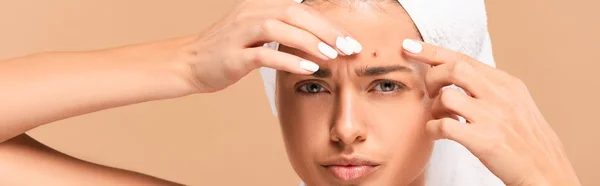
[26,161]
[506,130]
[358,107]
[91,81]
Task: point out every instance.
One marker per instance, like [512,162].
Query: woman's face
[361,119]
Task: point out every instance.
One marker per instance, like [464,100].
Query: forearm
[24,161]
[47,87]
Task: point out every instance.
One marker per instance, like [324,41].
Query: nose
[347,128]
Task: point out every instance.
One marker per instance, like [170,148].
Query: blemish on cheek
[374,54]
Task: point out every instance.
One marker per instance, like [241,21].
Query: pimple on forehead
[389,55]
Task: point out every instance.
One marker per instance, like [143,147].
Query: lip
[349,169]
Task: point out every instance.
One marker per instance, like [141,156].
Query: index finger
[305,18]
[435,55]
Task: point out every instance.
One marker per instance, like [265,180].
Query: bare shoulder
[25,161]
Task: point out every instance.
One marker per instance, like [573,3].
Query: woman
[349,117]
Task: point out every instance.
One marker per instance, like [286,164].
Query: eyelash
[397,87]
[303,88]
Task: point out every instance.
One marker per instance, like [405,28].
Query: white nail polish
[453,87]
[357,46]
[327,50]
[344,45]
[309,66]
[412,46]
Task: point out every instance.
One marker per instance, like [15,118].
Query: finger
[439,110]
[454,102]
[480,144]
[465,134]
[458,73]
[448,128]
[434,55]
[285,34]
[493,152]
[301,16]
[265,57]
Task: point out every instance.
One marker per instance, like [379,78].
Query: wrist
[540,179]
[161,66]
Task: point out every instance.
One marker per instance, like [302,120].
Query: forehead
[379,27]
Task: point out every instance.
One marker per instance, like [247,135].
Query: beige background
[551,45]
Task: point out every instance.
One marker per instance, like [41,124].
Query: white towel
[459,25]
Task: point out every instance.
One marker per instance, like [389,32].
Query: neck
[420,181]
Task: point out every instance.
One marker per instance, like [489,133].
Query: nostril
[335,139]
[361,138]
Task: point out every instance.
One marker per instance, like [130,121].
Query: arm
[42,88]
[47,87]
[24,161]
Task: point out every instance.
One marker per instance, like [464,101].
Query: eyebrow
[367,71]
[381,70]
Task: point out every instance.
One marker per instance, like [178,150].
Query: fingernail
[357,46]
[309,66]
[345,46]
[452,87]
[327,50]
[412,46]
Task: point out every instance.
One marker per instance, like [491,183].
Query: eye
[387,86]
[311,88]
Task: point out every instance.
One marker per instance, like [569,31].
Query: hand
[505,129]
[232,48]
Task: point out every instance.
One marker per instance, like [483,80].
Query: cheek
[305,133]
[304,123]
[400,128]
